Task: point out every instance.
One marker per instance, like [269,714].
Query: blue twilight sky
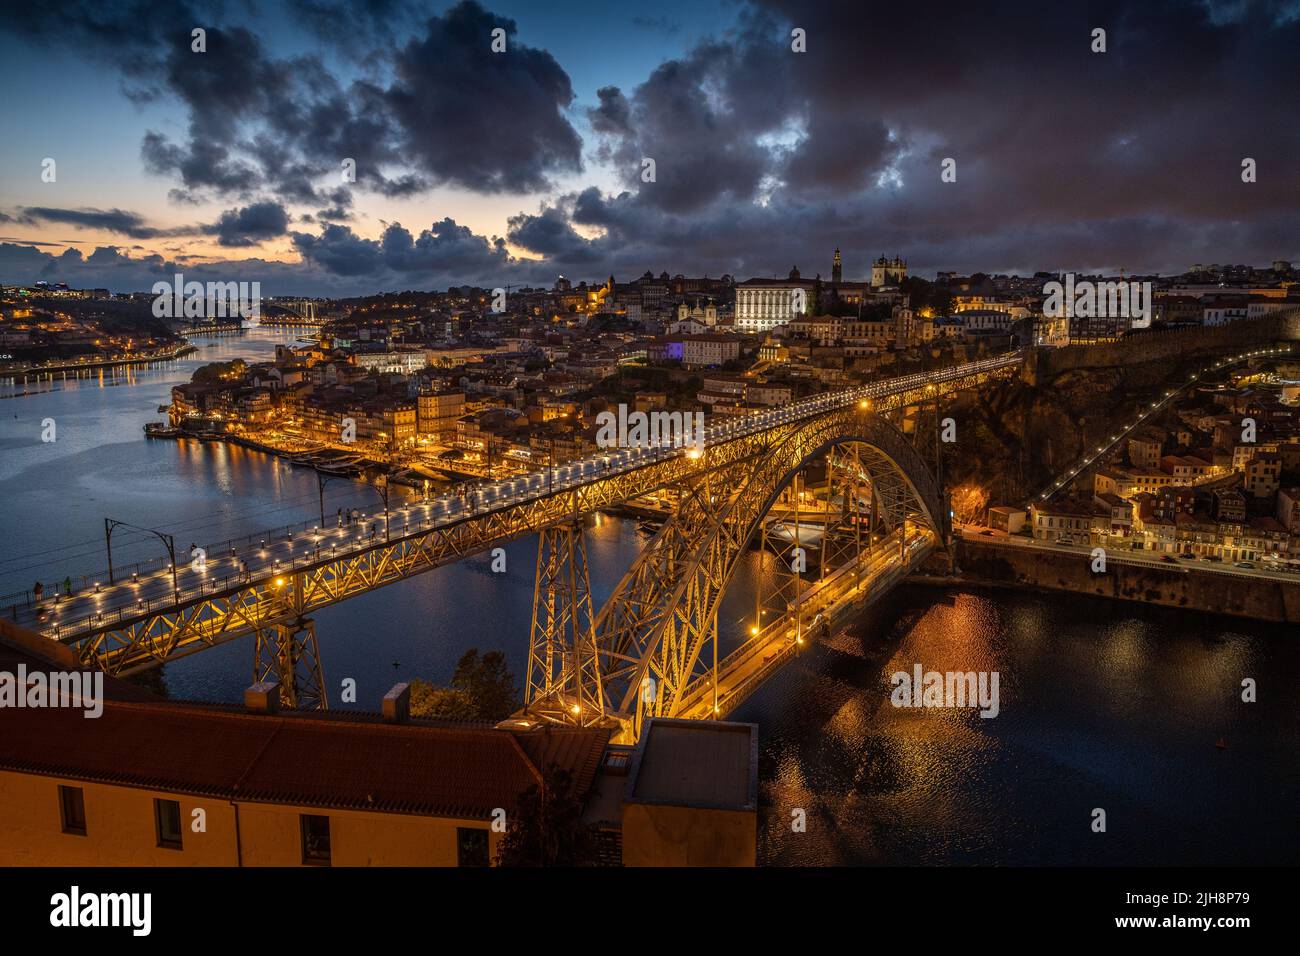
[512,167]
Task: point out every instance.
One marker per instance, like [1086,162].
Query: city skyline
[225,167]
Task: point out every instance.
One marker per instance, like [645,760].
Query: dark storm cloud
[485,121]
[765,158]
[611,116]
[451,113]
[245,226]
[551,234]
[444,254]
[1130,158]
[114,269]
[252,224]
[356,28]
[703,133]
[340,250]
[109,220]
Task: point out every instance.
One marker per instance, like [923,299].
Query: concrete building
[1061,523]
[691,797]
[437,413]
[702,351]
[1288,509]
[1009,520]
[1144,451]
[404,363]
[763,304]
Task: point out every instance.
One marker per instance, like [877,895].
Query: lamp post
[111,525]
[383,493]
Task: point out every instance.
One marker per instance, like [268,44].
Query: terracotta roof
[304,759]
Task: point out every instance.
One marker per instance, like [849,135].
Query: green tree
[546,828]
[488,683]
[215,371]
[447,703]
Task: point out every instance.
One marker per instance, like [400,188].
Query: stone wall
[1175,585]
[1044,364]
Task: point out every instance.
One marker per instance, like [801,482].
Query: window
[72,806]
[167,820]
[315,838]
[471,846]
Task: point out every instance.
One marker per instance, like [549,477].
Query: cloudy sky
[474,166]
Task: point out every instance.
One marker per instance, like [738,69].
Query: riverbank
[15,370]
[982,564]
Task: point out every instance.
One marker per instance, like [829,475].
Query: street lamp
[111,525]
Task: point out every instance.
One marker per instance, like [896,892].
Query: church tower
[835,268]
[888,271]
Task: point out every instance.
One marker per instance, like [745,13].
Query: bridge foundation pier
[564,681]
[288,654]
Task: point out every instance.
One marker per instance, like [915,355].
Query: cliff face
[1013,438]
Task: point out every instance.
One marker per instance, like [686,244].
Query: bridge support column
[564,683]
[289,655]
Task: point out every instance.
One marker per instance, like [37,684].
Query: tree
[546,828]
[488,683]
[969,503]
[446,703]
[942,302]
[216,371]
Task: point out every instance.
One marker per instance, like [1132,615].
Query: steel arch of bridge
[652,631]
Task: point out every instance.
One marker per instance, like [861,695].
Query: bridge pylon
[564,681]
[287,653]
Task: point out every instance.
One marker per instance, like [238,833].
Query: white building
[404,363]
[1222,315]
[701,351]
[763,304]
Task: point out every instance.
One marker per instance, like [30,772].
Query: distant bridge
[289,312]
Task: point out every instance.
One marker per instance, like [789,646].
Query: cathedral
[888,271]
[883,271]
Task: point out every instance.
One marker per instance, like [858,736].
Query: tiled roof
[348,761]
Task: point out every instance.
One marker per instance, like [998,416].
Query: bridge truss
[657,633]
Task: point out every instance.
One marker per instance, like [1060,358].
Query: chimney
[262,697]
[397,704]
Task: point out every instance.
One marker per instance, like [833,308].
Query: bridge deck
[853,584]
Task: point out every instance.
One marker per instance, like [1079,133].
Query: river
[1102,705]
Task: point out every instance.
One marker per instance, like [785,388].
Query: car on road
[1245,564]
[1169,559]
